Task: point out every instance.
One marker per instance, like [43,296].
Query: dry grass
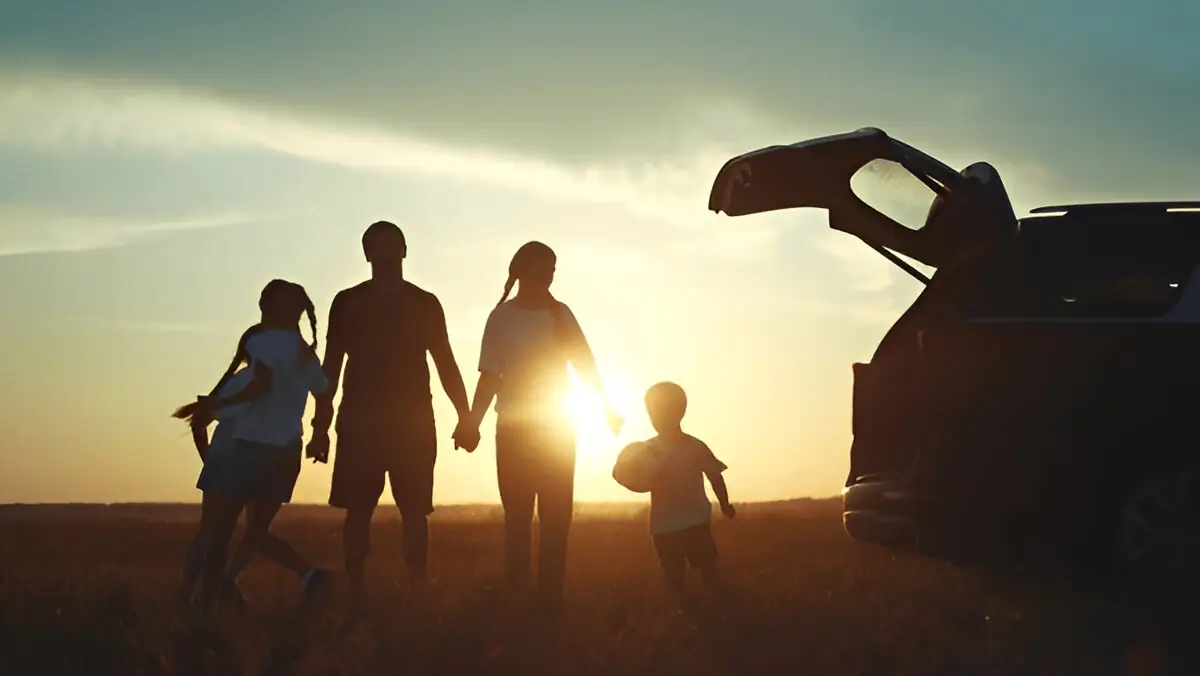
[84,596]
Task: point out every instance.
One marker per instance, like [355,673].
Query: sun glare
[596,440]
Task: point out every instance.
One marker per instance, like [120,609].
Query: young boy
[680,513]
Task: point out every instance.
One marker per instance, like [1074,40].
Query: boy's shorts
[693,546]
[251,471]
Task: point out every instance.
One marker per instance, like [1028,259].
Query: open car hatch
[817,173]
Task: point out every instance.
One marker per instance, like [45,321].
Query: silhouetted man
[382,329]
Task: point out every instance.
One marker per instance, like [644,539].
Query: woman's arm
[579,352]
[485,392]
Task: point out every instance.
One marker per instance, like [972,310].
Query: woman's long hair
[524,262]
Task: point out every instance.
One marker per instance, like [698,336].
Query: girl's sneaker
[232,595]
[316,583]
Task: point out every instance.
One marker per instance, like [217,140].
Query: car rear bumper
[881,511]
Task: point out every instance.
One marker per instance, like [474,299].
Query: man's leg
[407,490]
[357,484]
[411,473]
[515,473]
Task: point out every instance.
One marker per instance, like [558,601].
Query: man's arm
[335,356]
[485,392]
[443,359]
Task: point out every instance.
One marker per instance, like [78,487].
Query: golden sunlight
[586,407]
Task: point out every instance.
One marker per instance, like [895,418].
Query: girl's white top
[227,417]
[276,418]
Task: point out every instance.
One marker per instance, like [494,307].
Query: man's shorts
[693,546]
[369,451]
[251,471]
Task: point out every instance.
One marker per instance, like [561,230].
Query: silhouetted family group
[382,331]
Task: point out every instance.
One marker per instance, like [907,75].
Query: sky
[159,162]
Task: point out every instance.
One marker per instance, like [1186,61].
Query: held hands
[318,447]
[728,510]
[466,434]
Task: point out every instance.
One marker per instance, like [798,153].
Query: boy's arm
[719,488]
[713,469]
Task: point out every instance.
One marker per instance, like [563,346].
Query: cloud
[58,114]
[1101,105]
[35,231]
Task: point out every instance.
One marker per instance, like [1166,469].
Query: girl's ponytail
[186,411]
[311,311]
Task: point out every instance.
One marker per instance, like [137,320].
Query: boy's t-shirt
[678,500]
[276,419]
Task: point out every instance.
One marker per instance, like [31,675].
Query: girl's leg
[258,537]
[193,563]
[267,544]
[225,511]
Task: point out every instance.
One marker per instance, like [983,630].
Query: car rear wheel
[1158,530]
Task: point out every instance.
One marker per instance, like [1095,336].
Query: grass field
[91,595]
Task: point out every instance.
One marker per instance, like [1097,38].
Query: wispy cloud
[59,114]
[26,231]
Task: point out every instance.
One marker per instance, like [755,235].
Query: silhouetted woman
[527,345]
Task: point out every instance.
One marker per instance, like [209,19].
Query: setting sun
[596,441]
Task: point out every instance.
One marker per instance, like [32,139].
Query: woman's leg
[517,492]
[193,562]
[555,504]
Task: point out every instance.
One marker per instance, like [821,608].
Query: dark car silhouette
[1042,387]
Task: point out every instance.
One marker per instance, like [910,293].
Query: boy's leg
[673,562]
[702,555]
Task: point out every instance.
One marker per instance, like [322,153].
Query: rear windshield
[1072,271]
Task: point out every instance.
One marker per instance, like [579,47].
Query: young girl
[216,454]
[262,468]
[527,344]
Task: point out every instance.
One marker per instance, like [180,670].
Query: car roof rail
[1117,207]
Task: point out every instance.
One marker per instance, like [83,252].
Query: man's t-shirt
[678,500]
[276,418]
[386,334]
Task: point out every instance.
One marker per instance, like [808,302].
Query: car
[1037,396]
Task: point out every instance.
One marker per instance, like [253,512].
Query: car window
[893,191]
[1111,288]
